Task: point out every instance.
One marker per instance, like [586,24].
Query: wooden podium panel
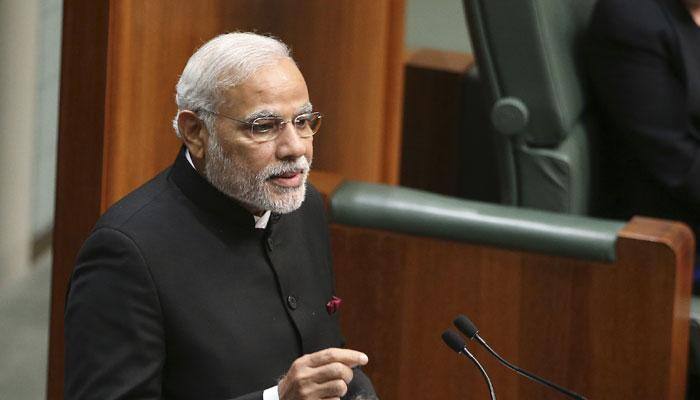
[605,330]
[121,60]
[447,145]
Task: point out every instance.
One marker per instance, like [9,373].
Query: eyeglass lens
[305,124]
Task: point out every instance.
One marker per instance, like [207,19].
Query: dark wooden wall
[447,141]
[79,170]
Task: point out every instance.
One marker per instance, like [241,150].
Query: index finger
[351,358]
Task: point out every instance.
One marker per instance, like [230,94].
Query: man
[644,67]
[214,279]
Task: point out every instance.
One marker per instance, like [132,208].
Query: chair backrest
[528,53]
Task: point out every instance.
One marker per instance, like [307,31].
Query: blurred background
[30,48]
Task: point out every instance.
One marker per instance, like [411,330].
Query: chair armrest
[427,214]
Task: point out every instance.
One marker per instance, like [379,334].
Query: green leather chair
[421,213]
[528,53]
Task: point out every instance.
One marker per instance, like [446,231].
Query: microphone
[455,342]
[469,330]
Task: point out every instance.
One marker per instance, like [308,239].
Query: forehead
[278,88]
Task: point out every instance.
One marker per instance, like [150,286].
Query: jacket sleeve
[114,343]
[114,335]
[636,72]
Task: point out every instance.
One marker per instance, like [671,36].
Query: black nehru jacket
[176,295]
[644,64]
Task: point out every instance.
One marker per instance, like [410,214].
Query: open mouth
[288,179]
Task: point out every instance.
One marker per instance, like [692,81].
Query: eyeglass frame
[279,126]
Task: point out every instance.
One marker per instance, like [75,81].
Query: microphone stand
[476,362]
[467,327]
[455,342]
[527,374]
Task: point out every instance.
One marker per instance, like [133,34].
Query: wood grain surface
[607,331]
[78,178]
[432,121]
[447,140]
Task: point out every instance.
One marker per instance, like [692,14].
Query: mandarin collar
[204,195]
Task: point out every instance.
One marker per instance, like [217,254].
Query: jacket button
[269,243]
[292,302]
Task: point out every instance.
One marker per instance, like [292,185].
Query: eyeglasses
[264,129]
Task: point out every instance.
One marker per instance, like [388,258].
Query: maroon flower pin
[333,305]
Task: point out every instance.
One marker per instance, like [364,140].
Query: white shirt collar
[189,158]
[260,222]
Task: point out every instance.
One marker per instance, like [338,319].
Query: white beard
[253,189]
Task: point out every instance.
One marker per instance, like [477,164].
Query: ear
[194,133]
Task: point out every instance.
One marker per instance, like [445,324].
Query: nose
[289,144]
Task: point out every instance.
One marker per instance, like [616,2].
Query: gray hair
[222,63]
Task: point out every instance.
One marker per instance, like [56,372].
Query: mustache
[301,164]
